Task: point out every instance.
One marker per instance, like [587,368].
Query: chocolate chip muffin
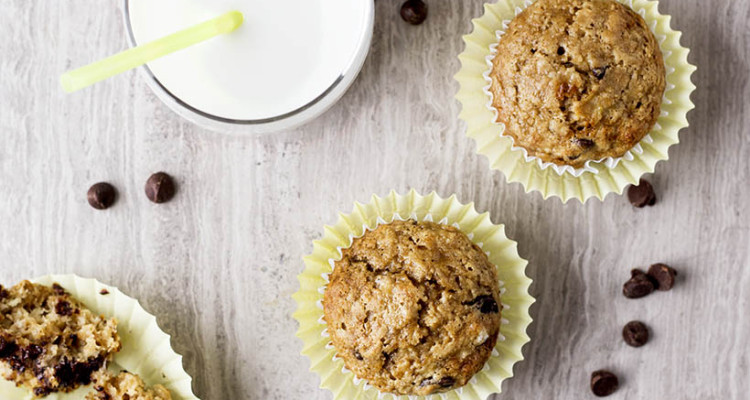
[125,386]
[413,308]
[577,80]
[50,342]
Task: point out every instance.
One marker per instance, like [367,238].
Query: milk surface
[285,54]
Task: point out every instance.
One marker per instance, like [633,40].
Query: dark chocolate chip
[603,383]
[560,51]
[358,356]
[635,333]
[160,188]
[642,195]
[104,292]
[7,347]
[102,195]
[485,303]
[568,64]
[583,143]
[31,352]
[663,275]
[63,308]
[599,72]
[414,11]
[639,285]
[42,391]
[72,373]
[444,382]
[59,290]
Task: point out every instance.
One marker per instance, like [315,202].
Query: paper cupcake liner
[502,252]
[596,179]
[146,349]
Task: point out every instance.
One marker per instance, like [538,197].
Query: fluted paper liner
[502,252]
[600,178]
[146,349]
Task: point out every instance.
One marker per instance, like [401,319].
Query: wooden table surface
[218,265]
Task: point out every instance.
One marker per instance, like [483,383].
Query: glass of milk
[287,64]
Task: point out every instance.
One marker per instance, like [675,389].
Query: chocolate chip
[568,64]
[73,340]
[635,333]
[414,11]
[104,292]
[358,356]
[603,383]
[7,347]
[642,195]
[583,143]
[639,285]
[663,275]
[71,373]
[485,303]
[31,352]
[63,308]
[59,290]
[42,391]
[102,195]
[160,188]
[560,51]
[599,72]
[444,382]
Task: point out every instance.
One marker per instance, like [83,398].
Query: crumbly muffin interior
[125,386]
[49,341]
[413,308]
[577,80]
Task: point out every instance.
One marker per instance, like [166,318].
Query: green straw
[90,74]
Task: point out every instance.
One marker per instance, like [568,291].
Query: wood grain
[218,264]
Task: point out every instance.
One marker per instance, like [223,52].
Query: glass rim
[291,119]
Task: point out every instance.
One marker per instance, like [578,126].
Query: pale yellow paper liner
[478,227]
[146,349]
[482,128]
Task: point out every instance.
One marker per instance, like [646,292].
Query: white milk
[285,54]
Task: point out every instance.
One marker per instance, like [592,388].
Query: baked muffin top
[577,80]
[50,342]
[413,308]
[125,386]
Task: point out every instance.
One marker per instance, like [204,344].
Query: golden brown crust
[413,308]
[577,80]
[125,386]
[50,342]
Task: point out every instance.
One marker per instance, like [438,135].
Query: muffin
[577,80]
[125,386]
[49,342]
[413,307]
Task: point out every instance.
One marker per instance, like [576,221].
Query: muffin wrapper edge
[502,252]
[146,349]
[597,179]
